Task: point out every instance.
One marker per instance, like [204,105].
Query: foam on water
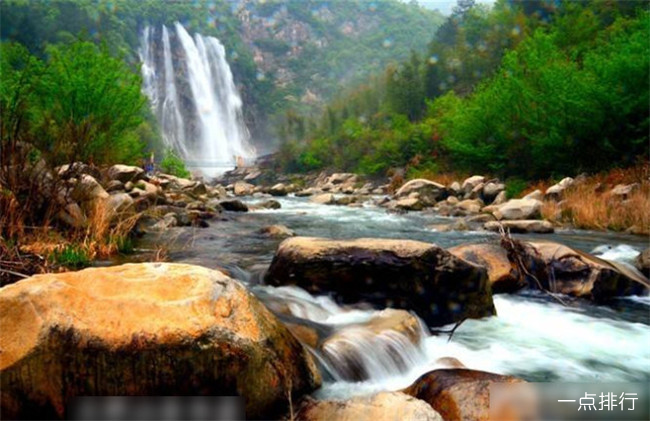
[620,253]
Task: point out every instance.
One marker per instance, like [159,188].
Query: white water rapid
[193,95]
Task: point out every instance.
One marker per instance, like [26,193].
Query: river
[533,336]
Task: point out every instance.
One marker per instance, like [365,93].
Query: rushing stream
[533,335]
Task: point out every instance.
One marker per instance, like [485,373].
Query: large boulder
[429,192]
[279,190]
[413,275]
[381,406]
[504,276]
[458,393]
[408,203]
[124,173]
[579,274]
[241,188]
[519,209]
[525,226]
[144,329]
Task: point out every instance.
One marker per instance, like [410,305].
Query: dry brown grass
[586,206]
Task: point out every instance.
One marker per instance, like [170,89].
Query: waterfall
[194,98]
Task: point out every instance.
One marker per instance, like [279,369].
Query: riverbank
[351,325]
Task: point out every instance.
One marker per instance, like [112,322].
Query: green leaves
[81,104]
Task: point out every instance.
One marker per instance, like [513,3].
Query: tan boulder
[323,199]
[519,209]
[428,191]
[388,406]
[241,188]
[504,276]
[412,275]
[458,393]
[471,182]
[124,173]
[144,329]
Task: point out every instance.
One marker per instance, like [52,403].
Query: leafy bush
[174,165]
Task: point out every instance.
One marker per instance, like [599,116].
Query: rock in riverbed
[524,226]
[382,406]
[504,276]
[413,275]
[144,329]
[579,274]
[458,394]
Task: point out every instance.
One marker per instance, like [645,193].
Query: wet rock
[168,221]
[323,199]
[642,262]
[241,188]
[556,191]
[234,205]
[381,406]
[471,182]
[144,329]
[580,274]
[279,190]
[523,226]
[355,349]
[307,192]
[422,277]
[269,204]
[519,209]
[429,192]
[277,231]
[124,173]
[504,276]
[459,394]
[450,362]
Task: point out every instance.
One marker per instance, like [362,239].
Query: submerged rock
[234,205]
[413,275]
[277,231]
[381,406]
[144,329]
[386,345]
[459,394]
[523,226]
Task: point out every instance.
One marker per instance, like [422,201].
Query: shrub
[174,165]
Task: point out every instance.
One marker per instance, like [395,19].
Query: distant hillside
[293,53]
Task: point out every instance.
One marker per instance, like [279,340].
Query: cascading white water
[194,97]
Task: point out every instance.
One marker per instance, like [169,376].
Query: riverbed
[533,336]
